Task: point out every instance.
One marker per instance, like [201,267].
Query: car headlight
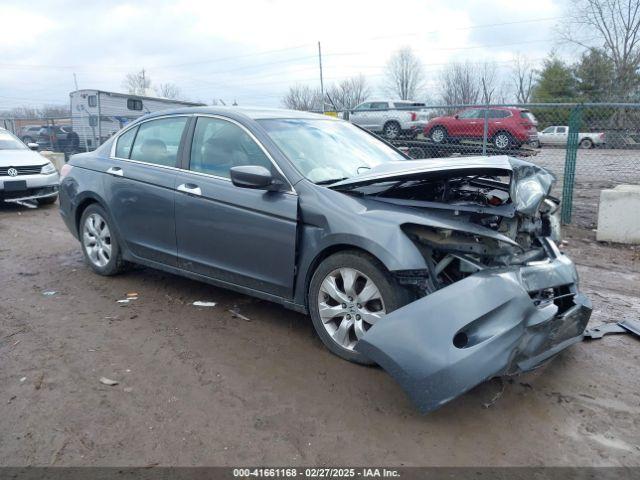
[48,168]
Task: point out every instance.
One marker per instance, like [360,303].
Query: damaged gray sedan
[445,272]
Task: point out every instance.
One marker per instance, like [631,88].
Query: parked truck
[96,114]
[558,135]
[392,118]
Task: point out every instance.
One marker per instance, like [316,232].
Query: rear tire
[503,141]
[586,143]
[391,130]
[100,245]
[369,279]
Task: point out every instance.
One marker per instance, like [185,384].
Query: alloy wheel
[96,239]
[391,131]
[349,303]
[437,135]
[502,141]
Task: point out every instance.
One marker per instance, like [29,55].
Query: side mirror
[32,146]
[254,176]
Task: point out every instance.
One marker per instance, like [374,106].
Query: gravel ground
[200,387]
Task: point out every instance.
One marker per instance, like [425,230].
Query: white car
[25,174]
[392,118]
[559,135]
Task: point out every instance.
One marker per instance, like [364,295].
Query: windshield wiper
[330,181]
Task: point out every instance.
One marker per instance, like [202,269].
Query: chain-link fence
[589,147]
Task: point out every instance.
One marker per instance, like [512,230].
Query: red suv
[508,127]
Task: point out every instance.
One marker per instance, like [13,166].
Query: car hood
[20,158]
[529,183]
[407,169]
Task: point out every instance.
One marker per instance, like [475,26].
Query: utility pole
[321,81]
[144,84]
[75,80]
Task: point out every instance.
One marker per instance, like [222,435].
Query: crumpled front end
[497,321]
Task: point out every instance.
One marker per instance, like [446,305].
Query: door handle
[190,188]
[117,171]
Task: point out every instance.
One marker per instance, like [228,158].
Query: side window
[123,147]
[134,104]
[363,106]
[561,129]
[472,113]
[498,114]
[548,130]
[219,145]
[379,105]
[93,100]
[158,141]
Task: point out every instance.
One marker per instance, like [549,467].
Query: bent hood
[529,184]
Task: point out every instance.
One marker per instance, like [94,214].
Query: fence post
[570,164]
[485,130]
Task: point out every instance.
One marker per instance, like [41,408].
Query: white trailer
[96,115]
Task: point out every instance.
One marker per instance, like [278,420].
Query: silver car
[25,174]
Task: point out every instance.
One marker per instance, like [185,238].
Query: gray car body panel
[505,332]
[303,225]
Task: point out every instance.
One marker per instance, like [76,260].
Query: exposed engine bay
[510,209]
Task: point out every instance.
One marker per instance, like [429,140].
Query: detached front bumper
[483,326]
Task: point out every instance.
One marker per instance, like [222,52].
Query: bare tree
[348,93]
[469,83]
[303,97]
[137,83]
[45,111]
[613,25]
[404,75]
[168,90]
[523,78]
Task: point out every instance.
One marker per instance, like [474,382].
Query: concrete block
[619,215]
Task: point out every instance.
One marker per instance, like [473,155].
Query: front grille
[24,170]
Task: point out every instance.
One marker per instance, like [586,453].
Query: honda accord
[445,272]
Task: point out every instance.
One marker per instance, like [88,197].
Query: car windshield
[325,151]
[9,142]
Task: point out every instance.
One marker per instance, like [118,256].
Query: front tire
[100,245]
[438,135]
[349,292]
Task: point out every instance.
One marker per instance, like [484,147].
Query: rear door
[140,187]
[236,235]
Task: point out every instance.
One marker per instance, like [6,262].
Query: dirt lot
[200,387]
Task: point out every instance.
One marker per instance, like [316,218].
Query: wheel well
[502,131]
[390,121]
[80,210]
[327,252]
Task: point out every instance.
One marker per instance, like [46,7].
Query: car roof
[254,113]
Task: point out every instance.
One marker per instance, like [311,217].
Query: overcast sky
[251,51]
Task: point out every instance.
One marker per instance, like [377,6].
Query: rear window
[408,104]
[528,115]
